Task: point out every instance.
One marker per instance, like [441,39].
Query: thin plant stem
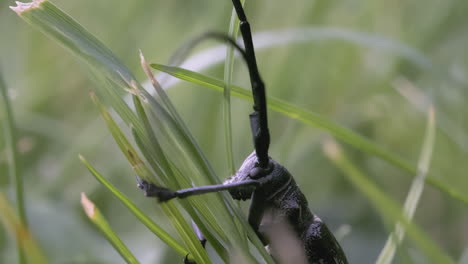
[9,129]
[394,240]
[228,70]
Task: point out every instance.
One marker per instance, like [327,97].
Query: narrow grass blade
[228,70]
[9,130]
[313,119]
[281,37]
[388,208]
[153,227]
[394,240]
[111,75]
[101,223]
[69,33]
[15,227]
[121,140]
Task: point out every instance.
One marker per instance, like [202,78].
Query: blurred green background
[405,55]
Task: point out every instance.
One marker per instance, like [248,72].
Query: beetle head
[249,170]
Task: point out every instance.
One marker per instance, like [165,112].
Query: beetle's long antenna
[182,52]
[258,119]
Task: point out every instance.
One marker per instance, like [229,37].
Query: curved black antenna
[182,52]
[258,119]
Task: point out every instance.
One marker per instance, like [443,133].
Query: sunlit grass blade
[394,240]
[101,223]
[9,131]
[111,75]
[12,224]
[153,227]
[342,133]
[61,27]
[389,210]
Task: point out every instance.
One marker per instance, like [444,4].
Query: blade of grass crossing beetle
[313,119]
[394,240]
[388,208]
[228,70]
[153,227]
[15,227]
[101,223]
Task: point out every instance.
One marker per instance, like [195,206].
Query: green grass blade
[153,227]
[228,70]
[20,232]
[9,130]
[101,223]
[69,33]
[111,75]
[394,240]
[388,208]
[313,119]
[125,147]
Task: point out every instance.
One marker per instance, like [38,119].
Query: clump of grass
[171,156]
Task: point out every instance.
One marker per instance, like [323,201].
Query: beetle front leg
[164,194]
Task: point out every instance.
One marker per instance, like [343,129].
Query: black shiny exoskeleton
[276,200]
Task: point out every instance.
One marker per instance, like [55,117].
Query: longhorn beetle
[269,185]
